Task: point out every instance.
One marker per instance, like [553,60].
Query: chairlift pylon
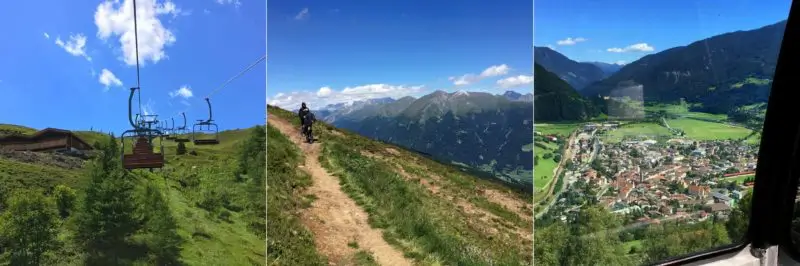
[209,123]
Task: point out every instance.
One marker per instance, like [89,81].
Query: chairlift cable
[262,58]
[136,40]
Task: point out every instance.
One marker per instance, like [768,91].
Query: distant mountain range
[607,68]
[721,72]
[481,130]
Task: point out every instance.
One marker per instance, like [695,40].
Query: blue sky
[326,52]
[590,30]
[73,69]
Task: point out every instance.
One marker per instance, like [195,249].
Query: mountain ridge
[577,74]
[721,72]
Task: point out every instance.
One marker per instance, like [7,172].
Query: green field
[703,130]
[669,108]
[739,179]
[707,116]
[682,110]
[543,171]
[556,129]
[207,200]
[649,130]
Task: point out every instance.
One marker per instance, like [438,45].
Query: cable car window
[648,120]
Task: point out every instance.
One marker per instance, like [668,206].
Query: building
[48,139]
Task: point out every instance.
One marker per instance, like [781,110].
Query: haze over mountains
[481,130]
[719,74]
[576,74]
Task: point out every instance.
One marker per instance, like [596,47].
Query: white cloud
[302,15]
[492,71]
[206,11]
[464,80]
[639,47]
[495,71]
[148,109]
[571,41]
[116,20]
[108,79]
[184,91]
[235,3]
[511,82]
[621,62]
[324,92]
[292,100]
[46,36]
[75,46]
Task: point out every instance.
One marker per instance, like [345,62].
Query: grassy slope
[288,241]
[209,240]
[426,226]
[543,173]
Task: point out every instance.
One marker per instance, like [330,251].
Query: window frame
[778,167]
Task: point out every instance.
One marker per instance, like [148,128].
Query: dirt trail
[334,217]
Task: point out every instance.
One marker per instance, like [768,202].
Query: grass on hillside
[683,111]
[15,129]
[288,241]
[543,171]
[703,130]
[751,80]
[207,199]
[427,227]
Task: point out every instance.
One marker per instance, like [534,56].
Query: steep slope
[555,100]
[334,218]
[721,72]
[211,204]
[432,213]
[576,74]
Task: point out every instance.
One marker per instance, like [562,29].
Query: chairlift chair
[142,155]
[181,132]
[171,131]
[209,123]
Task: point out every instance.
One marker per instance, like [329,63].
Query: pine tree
[107,215]
[160,228]
[29,226]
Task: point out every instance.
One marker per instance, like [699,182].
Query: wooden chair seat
[136,161]
[206,142]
